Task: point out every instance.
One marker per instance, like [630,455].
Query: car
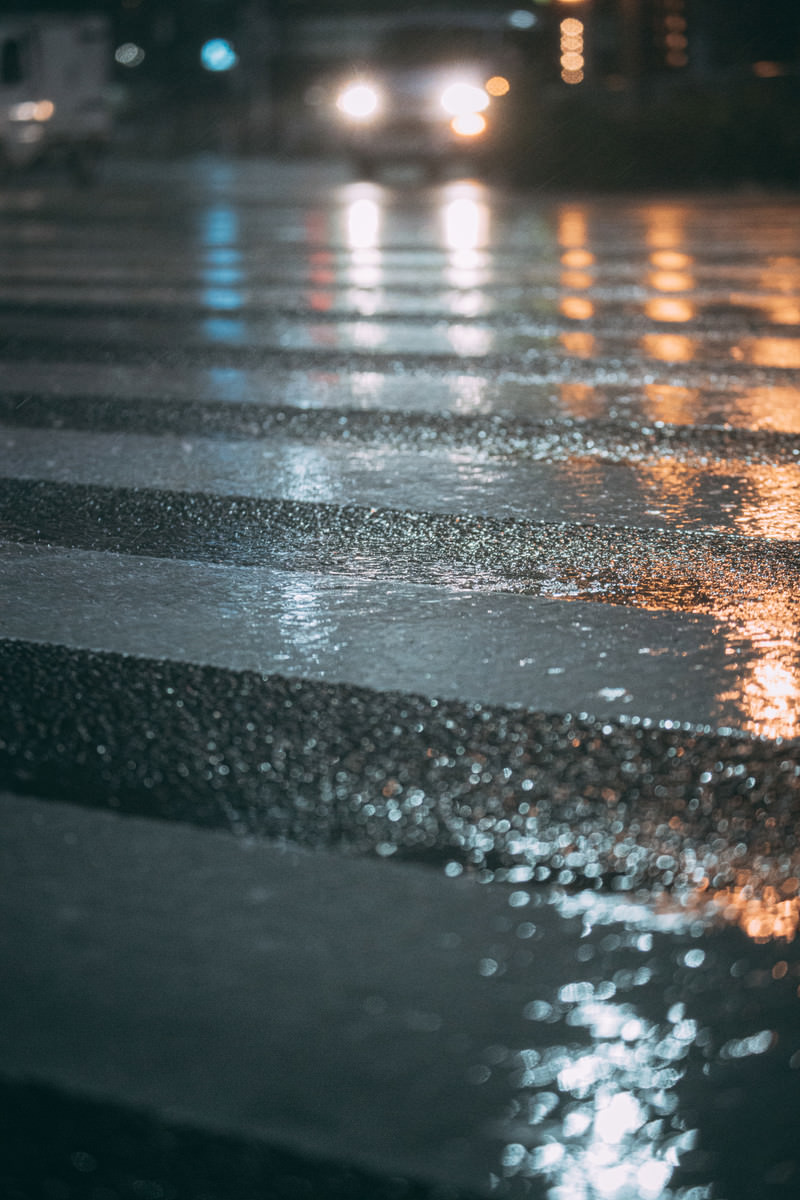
[429,92]
[54,74]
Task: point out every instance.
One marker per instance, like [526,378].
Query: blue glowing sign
[218,55]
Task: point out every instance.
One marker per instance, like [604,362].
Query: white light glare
[359,101]
[461,98]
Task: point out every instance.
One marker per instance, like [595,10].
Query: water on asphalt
[451,524]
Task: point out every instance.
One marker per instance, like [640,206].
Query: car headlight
[359,101]
[468,124]
[32,110]
[461,98]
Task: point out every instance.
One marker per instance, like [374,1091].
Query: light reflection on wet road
[523,469]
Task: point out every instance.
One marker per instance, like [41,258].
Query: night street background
[399,633]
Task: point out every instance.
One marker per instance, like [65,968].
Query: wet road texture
[399,732]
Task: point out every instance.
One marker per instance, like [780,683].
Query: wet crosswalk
[442,524]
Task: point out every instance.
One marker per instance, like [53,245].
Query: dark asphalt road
[440,545]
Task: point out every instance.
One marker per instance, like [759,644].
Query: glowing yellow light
[769,351]
[577,308]
[764,917]
[662,309]
[498,85]
[468,124]
[571,26]
[572,227]
[572,61]
[671,281]
[668,347]
[582,345]
[572,76]
[575,279]
[670,260]
[577,258]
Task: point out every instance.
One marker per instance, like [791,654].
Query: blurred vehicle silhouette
[53,90]
[430,91]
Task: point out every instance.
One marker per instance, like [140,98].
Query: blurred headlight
[468,124]
[359,101]
[31,110]
[461,98]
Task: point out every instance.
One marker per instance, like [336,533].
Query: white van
[54,89]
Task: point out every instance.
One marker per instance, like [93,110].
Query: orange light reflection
[759,613]
[668,347]
[674,405]
[577,258]
[577,308]
[768,351]
[661,308]
[671,281]
[670,260]
[578,343]
[766,914]
[580,400]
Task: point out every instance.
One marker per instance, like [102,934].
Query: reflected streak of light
[671,281]
[593,1123]
[368,335]
[781,274]
[222,299]
[576,308]
[470,339]
[767,914]
[224,329]
[573,228]
[766,689]
[661,308]
[468,393]
[467,269]
[219,235]
[320,301]
[671,260]
[772,507]
[580,400]
[467,303]
[466,224]
[363,223]
[768,351]
[779,310]
[577,258]
[365,269]
[768,407]
[576,279]
[320,268]
[366,302]
[668,347]
[664,226]
[775,408]
[578,343]
[220,227]
[671,404]
[367,386]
